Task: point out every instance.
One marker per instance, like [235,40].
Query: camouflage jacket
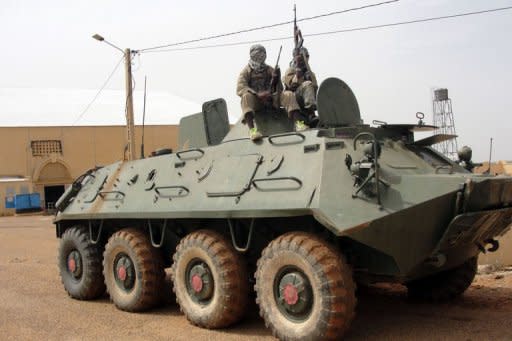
[289,79]
[254,82]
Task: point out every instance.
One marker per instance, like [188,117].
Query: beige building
[47,159]
[497,168]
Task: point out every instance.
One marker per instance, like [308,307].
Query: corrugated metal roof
[62,107]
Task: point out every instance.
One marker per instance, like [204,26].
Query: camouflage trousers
[251,102]
[304,96]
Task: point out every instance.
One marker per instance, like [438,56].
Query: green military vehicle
[301,216]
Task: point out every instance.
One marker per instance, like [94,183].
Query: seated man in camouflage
[254,87]
[300,81]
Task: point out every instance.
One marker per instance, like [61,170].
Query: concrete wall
[82,148]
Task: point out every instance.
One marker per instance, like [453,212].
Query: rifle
[297,34]
[299,40]
[276,75]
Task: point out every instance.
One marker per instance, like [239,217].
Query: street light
[130,126]
[100,38]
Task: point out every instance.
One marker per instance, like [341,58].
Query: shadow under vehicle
[302,217]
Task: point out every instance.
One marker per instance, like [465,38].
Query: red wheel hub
[197,283]
[72,264]
[121,273]
[291,295]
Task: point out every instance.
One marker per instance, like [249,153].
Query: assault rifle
[276,75]
[297,34]
[298,43]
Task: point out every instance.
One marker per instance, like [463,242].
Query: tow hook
[495,245]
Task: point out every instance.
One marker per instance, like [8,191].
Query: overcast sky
[48,45]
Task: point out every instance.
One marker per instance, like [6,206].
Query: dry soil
[34,305]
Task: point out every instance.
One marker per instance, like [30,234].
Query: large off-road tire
[134,271]
[80,264]
[446,285]
[305,288]
[210,280]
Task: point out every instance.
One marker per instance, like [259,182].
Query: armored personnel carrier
[301,216]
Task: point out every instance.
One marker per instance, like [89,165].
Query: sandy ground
[34,305]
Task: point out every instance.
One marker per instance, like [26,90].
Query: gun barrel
[279,56]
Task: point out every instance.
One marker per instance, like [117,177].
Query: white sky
[48,45]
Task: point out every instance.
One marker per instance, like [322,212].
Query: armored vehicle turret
[300,216]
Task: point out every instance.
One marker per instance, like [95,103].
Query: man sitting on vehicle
[259,87]
[301,82]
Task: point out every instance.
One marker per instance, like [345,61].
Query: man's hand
[264,95]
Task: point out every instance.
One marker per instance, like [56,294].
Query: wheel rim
[199,281]
[74,264]
[124,272]
[293,294]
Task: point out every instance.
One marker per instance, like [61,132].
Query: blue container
[22,202]
[35,200]
[27,202]
[9,202]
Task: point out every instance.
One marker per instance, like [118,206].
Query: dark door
[51,195]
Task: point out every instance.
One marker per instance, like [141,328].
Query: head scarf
[257,54]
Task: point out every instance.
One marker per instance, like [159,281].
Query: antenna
[143,120]
[490,156]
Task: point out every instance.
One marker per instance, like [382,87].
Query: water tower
[443,120]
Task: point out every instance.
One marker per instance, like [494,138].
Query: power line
[410,21]
[99,91]
[266,26]
[364,28]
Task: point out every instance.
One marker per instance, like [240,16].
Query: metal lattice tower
[443,120]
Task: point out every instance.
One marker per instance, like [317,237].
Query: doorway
[51,195]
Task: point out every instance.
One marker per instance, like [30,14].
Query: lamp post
[130,126]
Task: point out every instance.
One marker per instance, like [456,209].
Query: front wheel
[80,265]
[446,285]
[210,280]
[304,288]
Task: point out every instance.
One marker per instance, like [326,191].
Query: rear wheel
[304,289]
[133,270]
[80,265]
[446,285]
[210,280]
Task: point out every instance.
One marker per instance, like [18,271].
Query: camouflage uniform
[303,87]
[250,82]
[254,88]
[303,90]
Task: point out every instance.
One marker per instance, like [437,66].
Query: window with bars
[46,147]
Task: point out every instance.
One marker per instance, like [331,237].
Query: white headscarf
[258,55]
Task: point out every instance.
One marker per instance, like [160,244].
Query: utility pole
[130,126]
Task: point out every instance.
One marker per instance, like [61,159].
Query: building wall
[82,148]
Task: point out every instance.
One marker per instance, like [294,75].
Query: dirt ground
[34,305]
